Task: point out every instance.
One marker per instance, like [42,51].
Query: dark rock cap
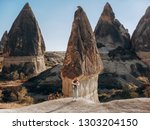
[82,57]
[25,38]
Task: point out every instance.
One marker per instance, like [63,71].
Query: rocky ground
[66,105]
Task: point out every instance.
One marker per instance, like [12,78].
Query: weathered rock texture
[49,81]
[53,58]
[24,50]
[82,59]
[141,38]
[3,41]
[109,32]
[122,67]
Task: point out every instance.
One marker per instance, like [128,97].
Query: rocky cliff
[82,59]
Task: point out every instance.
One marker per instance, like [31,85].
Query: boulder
[82,59]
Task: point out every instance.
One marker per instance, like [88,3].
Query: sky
[55,17]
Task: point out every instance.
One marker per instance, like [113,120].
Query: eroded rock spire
[82,59]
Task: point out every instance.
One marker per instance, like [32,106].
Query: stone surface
[49,81]
[53,58]
[121,63]
[141,38]
[3,41]
[109,32]
[24,49]
[25,38]
[82,59]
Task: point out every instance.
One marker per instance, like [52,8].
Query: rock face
[54,58]
[24,50]
[109,32]
[141,38]
[82,59]
[3,41]
[122,67]
[49,81]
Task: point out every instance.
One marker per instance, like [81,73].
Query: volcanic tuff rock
[49,81]
[24,50]
[25,38]
[141,38]
[122,67]
[82,59]
[53,58]
[3,41]
[109,32]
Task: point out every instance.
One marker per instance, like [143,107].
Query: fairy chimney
[24,50]
[82,60]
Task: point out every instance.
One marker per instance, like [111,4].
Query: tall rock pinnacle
[108,14]
[82,59]
[25,38]
[110,32]
[141,38]
[24,50]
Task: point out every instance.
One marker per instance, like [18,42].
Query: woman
[75,85]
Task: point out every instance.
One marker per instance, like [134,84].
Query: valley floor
[66,105]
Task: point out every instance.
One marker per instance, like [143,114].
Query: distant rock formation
[24,50]
[53,58]
[109,32]
[3,41]
[141,38]
[82,59]
[122,67]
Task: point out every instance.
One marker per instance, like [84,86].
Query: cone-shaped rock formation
[24,50]
[109,32]
[82,59]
